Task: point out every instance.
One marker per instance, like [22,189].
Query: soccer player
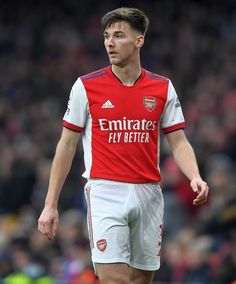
[119,112]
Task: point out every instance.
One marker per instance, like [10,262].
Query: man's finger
[41,227]
[195,188]
[54,228]
[201,198]
[199,202]
[47,227]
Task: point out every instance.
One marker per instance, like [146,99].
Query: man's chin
[115,62]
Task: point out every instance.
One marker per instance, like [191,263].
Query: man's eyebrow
[119,31]
[105,33]
[115,32]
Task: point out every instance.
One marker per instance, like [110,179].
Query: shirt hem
[125,180]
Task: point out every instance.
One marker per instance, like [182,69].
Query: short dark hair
[133,16]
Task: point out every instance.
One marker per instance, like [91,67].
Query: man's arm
[185,158]
[65,152]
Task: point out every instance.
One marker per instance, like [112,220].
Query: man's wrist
[196,176]
[50,205]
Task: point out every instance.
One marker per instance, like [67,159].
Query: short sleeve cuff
[72,126]
[174,128]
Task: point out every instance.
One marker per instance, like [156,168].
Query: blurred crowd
[44,47]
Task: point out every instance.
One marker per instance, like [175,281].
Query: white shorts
[125,222]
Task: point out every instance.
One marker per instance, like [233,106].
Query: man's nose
[110,42]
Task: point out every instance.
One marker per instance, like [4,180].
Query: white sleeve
[172,118]
[77,109]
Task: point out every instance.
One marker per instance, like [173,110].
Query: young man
[119,112]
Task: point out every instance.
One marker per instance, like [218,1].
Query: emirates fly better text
[127,130]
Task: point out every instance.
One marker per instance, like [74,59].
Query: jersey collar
[115,78]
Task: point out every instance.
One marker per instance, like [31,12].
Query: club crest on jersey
[149,103]
[102,245]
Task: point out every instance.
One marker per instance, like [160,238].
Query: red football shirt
[121,124]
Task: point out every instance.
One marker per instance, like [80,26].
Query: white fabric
[128,218]
[77,110]
[173,112]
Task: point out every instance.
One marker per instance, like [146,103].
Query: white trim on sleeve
[172,114]
[77,109]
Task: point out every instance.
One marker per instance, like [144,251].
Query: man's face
[121,43]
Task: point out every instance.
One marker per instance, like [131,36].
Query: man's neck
[128,75]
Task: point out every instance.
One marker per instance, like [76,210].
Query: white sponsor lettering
[102,123]
[114,137]
[132,137]
[118,130]
[115,125]
[126,124]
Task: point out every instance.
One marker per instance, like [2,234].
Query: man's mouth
[112,53]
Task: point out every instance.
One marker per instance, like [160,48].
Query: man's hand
[199,186]
[48,222]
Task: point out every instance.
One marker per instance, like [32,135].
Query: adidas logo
[108,104]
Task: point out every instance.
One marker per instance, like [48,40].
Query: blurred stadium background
[44,47]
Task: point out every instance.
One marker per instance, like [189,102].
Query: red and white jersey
[121,124]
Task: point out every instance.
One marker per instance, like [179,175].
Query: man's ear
[140,41]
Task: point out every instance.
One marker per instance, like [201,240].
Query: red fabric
[128,158]
[72,126]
